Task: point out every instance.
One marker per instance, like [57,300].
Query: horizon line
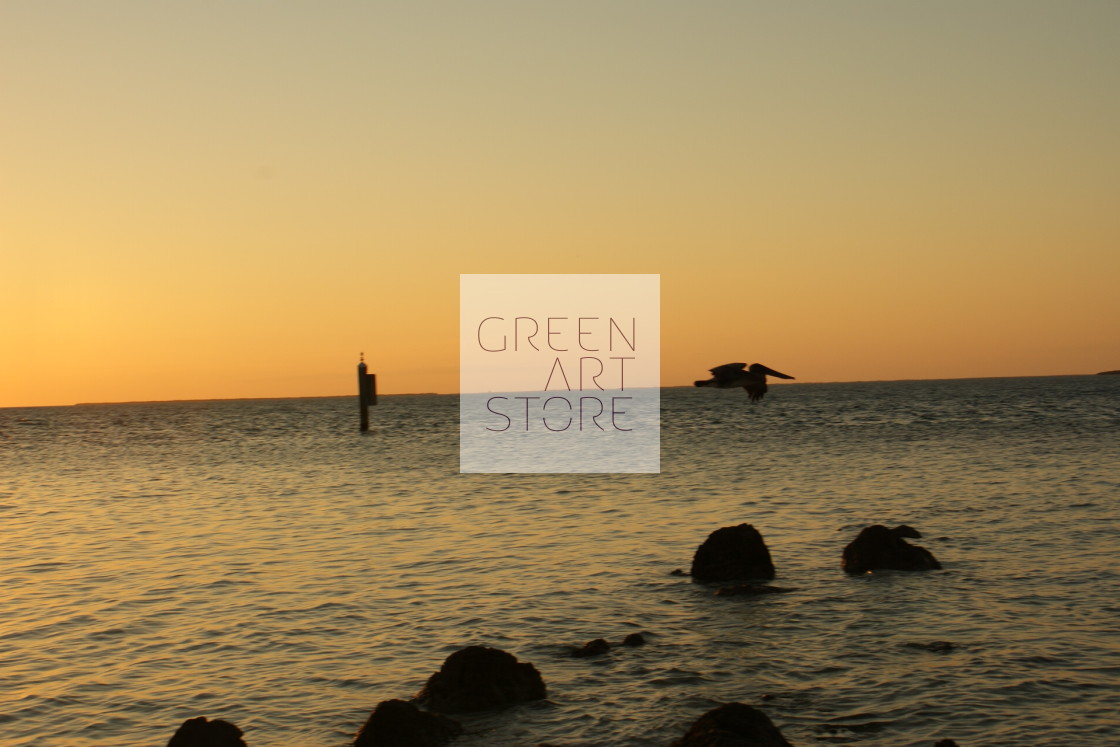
[451,394]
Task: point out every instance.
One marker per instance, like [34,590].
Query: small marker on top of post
[367,391]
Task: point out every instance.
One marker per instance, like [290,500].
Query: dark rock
[593,648]
[750,590]
[907,531]
[732,553]
[198,732]
[733,725]
[634,639]
[879,548]
[395,723]
[945,743]
[678,572]
[477,677]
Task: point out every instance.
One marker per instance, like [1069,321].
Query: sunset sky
[232,199]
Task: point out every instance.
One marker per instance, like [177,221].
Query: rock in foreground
[878,548]
[395,723]
[732,553]
[733,725]
[198,732]
[477,678]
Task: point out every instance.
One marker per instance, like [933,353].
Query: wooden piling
[367,392]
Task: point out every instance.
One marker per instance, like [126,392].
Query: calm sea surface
[262,562]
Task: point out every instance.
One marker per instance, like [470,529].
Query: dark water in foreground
[261,562]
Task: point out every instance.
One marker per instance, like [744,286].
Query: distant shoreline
[452,394]
[233,399]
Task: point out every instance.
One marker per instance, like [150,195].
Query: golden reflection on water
[262,563]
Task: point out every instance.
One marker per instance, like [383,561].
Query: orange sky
[233,200]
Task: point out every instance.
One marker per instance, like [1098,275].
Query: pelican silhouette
[732,375]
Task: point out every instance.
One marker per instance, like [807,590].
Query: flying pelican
[732,375]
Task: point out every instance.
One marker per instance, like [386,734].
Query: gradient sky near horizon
[232,199]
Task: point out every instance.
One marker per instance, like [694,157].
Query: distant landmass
[236,399]
[1109,373]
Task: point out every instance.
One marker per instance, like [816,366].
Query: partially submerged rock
[752,590]
[733,725]
[396,723]
[602,646]
[634,639]
[593,648]
[731,554]
[477,678]
[878,548]
[199,732]
[937,647]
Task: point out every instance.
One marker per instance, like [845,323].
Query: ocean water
[262,562]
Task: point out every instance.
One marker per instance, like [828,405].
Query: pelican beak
[772,372]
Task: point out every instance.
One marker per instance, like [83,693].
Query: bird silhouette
[733,375]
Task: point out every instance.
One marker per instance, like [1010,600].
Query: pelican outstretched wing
[728,369]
